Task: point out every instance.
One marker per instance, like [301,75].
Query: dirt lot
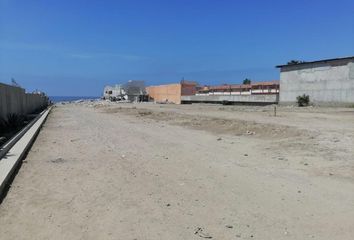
[145,171]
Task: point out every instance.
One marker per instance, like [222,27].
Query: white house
[114,92]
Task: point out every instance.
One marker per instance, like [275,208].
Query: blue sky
[74,48]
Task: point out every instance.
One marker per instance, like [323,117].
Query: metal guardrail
[10,143]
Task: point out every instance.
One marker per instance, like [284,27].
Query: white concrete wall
[258,98]
[15,100]
[330,83]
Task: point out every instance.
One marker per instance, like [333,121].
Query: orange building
[171,93]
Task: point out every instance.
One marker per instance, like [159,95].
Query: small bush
[14,120]
[303,101]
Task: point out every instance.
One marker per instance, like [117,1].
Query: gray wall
[15,100]
[330,83]
[256,98]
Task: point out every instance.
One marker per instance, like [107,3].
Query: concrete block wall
[14,100]
[163,93]
[327,83]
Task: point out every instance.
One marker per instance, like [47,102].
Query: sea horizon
[56,99]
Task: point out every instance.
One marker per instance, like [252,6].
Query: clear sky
[75,47]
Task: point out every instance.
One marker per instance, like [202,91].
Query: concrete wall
[256,99]
[165,93]
[327,83]
[188,89]
[15,100]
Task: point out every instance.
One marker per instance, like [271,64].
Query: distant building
[171,93]
[327,82]
[135,90]
[260,93]
[271,87]
[114,93]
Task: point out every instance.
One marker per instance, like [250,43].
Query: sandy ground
[145,171]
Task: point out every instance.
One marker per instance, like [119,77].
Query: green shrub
[14,120]
[303,101]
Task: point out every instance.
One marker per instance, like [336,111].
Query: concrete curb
[18,147]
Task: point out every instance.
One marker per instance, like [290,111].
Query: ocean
[56,99]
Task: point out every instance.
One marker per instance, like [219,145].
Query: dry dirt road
[145,171]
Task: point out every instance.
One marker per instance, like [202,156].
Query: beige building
[171,93]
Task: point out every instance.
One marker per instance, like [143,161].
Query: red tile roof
[240,86]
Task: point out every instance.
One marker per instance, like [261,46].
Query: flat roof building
[327,82]
[260,93]
[115,92]
[171,93]
[270,87]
